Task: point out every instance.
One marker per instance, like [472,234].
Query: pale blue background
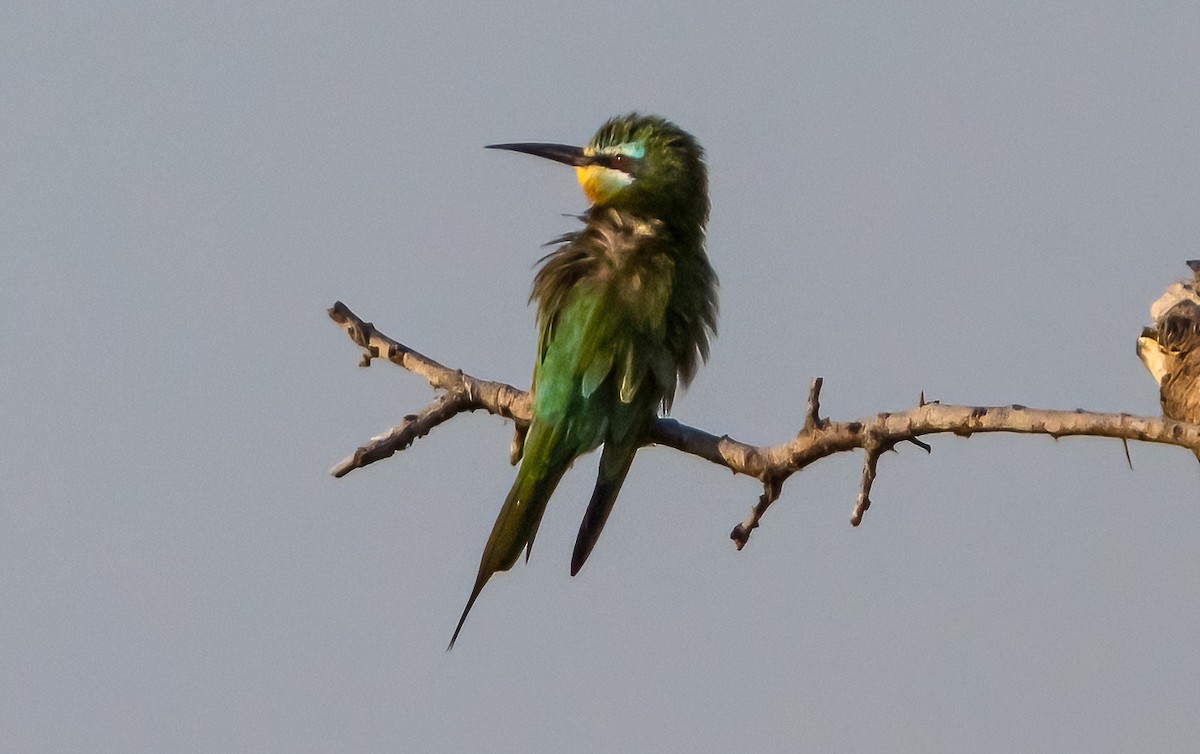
[976,202]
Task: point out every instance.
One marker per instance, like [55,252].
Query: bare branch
[398,438]
[772,464]
[874,450]
[741,533]
[812,417]
[462,393]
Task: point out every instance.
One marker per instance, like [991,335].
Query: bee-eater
[1170,349]
[625,310]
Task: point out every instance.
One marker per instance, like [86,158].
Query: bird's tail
[614,465]
[544,464]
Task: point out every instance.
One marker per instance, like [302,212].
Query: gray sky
[975,202]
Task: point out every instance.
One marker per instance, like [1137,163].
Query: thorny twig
[772,465]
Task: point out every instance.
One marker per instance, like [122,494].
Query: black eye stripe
[617,162]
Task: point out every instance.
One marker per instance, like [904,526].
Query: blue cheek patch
[636,150]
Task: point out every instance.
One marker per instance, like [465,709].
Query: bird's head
[1175,335]
[638,162]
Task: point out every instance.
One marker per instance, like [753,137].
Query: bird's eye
[620,162]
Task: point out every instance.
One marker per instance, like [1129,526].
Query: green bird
[625,310]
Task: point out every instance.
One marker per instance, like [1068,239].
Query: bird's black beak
[558,152]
